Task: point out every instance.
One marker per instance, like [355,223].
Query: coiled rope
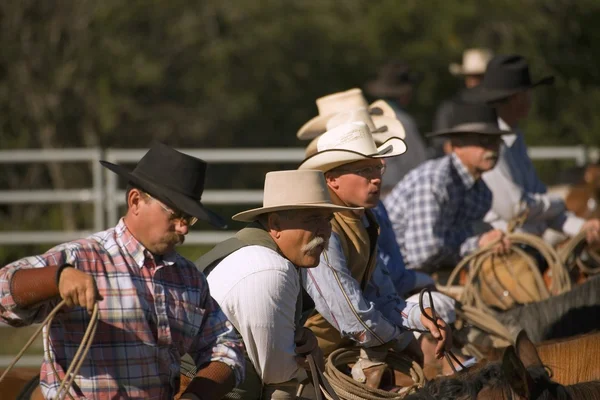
[77,362]
[571,255]
[349,389]
[475,311]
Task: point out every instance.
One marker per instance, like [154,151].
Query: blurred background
[99,75]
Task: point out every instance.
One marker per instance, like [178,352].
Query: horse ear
[527,351]
[516,374]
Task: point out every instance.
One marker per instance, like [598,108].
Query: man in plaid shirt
[154,305]
[435,208]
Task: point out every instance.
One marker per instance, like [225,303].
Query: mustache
[314,242]
[176,238]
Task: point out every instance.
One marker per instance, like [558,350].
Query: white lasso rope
[78,359]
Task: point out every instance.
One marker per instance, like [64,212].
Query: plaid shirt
[154,311]
[433,211]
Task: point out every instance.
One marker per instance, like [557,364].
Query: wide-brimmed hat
[347,143]
[172,177]
[474,62]
[393,79]
[293,190]
[471,118]
[505,75]
[382,118]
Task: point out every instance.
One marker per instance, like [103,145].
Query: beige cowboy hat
[380,135]
[474,62]
[382,116]
[347,143]
[293,190]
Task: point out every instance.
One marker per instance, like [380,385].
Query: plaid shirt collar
[466,178]
[136,250]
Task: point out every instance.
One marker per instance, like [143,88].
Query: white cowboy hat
[474,62]
[293,190]
[382,115]
[347,143]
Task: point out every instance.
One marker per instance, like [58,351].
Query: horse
[583,199]
[520,375]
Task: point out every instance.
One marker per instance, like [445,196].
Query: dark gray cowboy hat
[172,177]
[505,75]
[393,79]
[468,118]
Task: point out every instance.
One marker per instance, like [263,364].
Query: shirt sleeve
[10,312]
[217,340]
[264,304]
[339,298]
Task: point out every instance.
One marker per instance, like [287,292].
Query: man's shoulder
[252,259]
[431,172]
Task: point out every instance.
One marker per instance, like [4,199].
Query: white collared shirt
[257,290]
[516,185]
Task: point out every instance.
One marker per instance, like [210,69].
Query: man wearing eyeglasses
[436,208]
[154,305]
[355,299]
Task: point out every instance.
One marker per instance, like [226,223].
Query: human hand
[439,330]
[306,343]
[497,236]
[592,230]
[78,289]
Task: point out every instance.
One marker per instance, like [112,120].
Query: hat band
[474,126]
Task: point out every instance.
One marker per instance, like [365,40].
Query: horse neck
[584,390]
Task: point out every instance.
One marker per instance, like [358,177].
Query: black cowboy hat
[172,177]
[394,78]
[471,118]
[505,75]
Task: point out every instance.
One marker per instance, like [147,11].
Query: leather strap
[319,381]
[32,286]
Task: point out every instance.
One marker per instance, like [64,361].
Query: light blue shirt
[371,317]
[389,254]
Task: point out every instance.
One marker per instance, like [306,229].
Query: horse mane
[571,313]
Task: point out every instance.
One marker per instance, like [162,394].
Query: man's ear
[274,224]
[332,180]
[134,200]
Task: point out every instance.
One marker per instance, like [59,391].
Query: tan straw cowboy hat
[474,62]
[347,143]
[382,116]
[293,190]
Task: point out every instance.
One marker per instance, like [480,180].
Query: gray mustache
[316,241]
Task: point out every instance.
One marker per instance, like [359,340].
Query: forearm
[213,381]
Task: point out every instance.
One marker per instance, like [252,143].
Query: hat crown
[351,136]
[507,72]
[165,166]
[354,115]
[295,187]
[341,101]
[475,61]
[464,115]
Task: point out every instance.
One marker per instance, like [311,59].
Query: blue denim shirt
[371,318]
[389,253]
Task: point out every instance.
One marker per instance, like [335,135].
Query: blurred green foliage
[246,73]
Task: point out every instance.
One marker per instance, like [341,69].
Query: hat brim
[458,70]
[489,130]
[480,94]
[251,215]
[378,109]
[169,196]
[327,160]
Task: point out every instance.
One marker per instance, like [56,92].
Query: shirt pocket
[185,320]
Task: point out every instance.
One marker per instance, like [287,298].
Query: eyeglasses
[175,215]
[366,172]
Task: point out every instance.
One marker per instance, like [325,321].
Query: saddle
[509,280]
